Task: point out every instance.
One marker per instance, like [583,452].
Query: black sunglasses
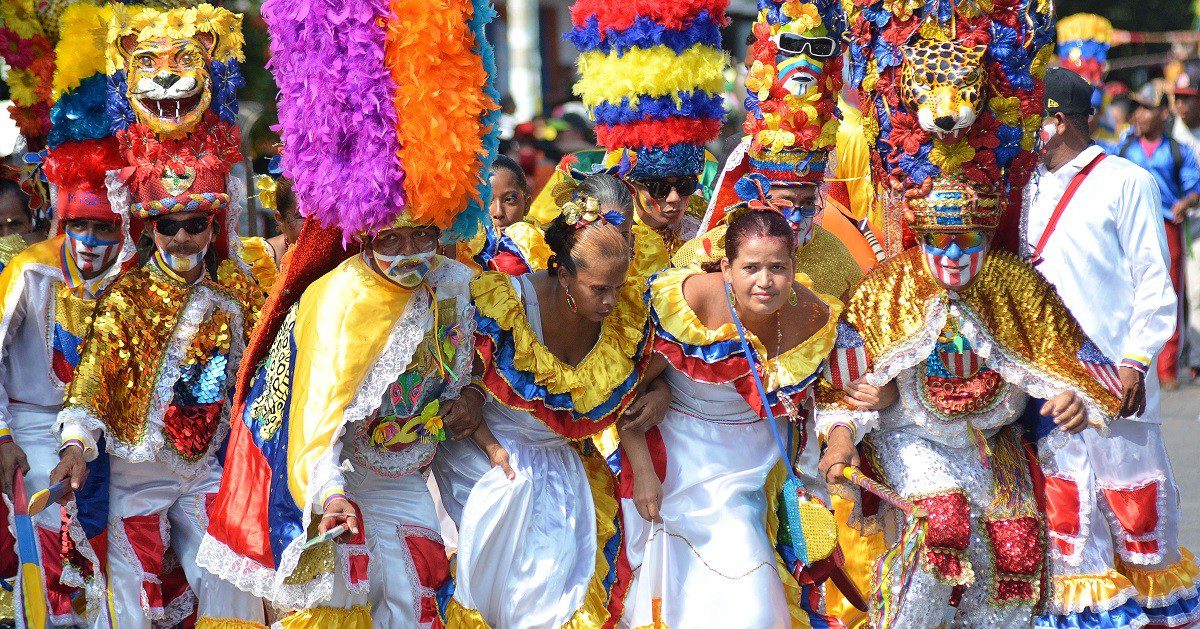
[661,188]
[820,47]
[194,226]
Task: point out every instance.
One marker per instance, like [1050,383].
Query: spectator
[1186,129]
[1173,165]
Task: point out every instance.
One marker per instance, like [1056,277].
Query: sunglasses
[966,241]
[661,188]
[194,226]
[820,47]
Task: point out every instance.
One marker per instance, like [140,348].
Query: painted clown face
[93,245]
[801,58]
[954,259]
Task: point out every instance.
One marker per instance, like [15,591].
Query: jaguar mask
[169,85]
[943,83]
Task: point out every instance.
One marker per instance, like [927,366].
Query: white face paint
[92,254]
[406,270]
[1045,134]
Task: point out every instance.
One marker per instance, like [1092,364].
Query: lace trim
[82,418]
[735,159]
[419,591]
[95,589]
[171,613]
[1055,606]
[914,350]
[389,464]
[250,576]
[864,421]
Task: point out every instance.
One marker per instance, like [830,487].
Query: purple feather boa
[336,116]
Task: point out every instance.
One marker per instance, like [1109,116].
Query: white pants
[1114,498]
[32,429]
[152,509]
[407,559]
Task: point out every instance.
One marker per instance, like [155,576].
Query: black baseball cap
[1067,93]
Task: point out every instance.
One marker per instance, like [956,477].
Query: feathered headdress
[388,110]
[1083,43]
[985,61]
[652,74]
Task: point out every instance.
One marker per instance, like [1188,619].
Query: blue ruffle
[1175,614]
[680,160]
[1124,616]
[646,33]
[80,114]
[524,384]
[696,104]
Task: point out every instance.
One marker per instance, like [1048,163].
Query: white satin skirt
[527,546]
[709,563]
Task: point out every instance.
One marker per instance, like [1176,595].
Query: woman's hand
[499,458]
[839,452]
[648,408]
[339,511]
[647,496]
[865,396]
[463,414]
[1068,412]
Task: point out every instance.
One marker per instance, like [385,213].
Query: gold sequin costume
[964,363]
[149,335]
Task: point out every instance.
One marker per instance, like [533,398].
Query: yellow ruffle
[650,253]
[791,588]
[592,381]
[226,623]
[1162,586]
[323,617]
[786,369]
[594,610]
[258,255]
[532,243]
[1102,592]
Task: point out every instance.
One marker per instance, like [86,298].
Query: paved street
[1182,434]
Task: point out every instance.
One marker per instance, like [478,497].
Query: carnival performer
[50,292]
[701,490]
[460,463]
[562,354]
[966,332]
[652,75]
[357,370]
[150,387]
[1113,504]
[265,255]
[795,76]
[509,243]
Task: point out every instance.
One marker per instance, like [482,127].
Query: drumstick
[883,492]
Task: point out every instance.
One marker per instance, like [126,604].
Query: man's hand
[1179,210]
[11,458]
[648,409]
[463,415]
[1133,395]
[1068,412]
[70,466]
[839,452]
[339,511]
[863,395]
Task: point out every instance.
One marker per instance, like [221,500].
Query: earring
[570,299]
[792,299]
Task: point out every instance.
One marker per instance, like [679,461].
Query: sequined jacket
[157,364]
[962,360]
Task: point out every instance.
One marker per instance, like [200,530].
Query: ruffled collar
[678,324]
[608,365]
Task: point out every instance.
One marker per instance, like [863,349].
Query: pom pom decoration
[652,75]
[1083,43]
[752,187]
[388,110]
[989,58]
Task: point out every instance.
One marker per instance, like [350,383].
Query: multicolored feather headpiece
[652,74]
[388,110]
[1083,43]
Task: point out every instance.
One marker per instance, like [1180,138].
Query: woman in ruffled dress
[561,355]
[700,491]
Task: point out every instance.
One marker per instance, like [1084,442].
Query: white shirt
[1108,258]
